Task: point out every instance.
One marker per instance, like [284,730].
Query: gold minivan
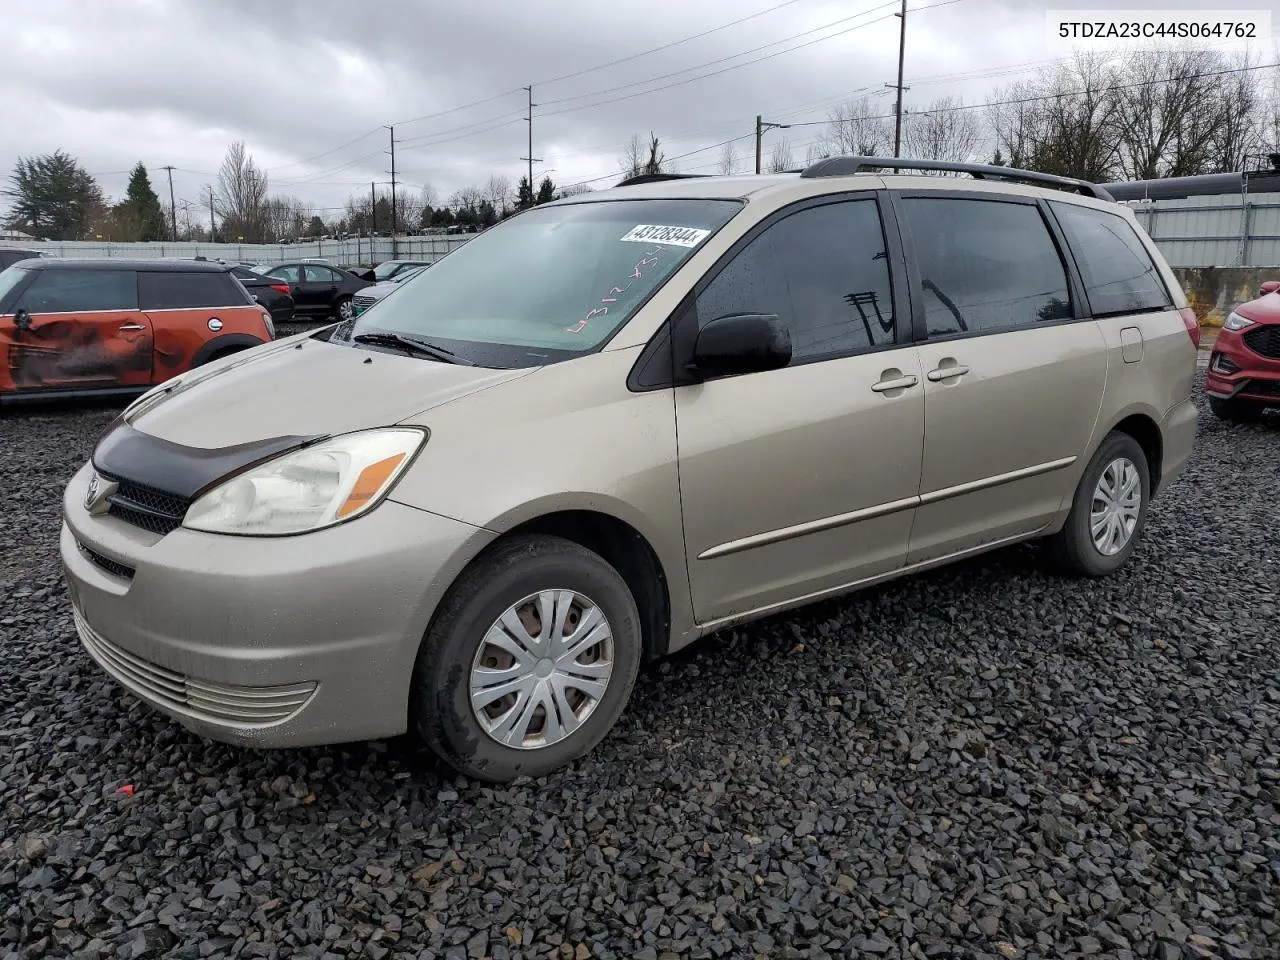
[618,422]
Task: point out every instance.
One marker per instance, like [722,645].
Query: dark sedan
[319,290]
[9,256]
[270,293]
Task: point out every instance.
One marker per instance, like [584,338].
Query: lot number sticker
[671,236]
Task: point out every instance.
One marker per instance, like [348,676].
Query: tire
[1235,411]
[1073,550]
[512,572]
[342,308]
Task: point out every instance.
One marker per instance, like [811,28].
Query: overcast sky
[308,84]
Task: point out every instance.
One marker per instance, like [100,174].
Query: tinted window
[986,266]
[822,271]
[188,291]
[288,274]
[1118,274]
[66,291]
[316,274]
[243,274]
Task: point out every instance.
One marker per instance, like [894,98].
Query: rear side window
[985,266]
[318,274]
[822,271]
[289,274]
[1119,275]
[175,290]
[73,291]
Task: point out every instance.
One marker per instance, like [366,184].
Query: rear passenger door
[319,287]
[85,332]
[1014,369]
[292,275]
[187,309]
[802,480]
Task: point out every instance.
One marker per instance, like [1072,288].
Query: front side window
[986,266]
[174,290]
[822,271]
[1119,275]
[72,291]
[551,283]
[318,274]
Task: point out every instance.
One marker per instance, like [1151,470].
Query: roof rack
[843,166]
[655,177]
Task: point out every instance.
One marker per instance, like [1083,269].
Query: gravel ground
[980,762]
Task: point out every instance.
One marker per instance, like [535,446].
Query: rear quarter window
[175,290]
[1118,273]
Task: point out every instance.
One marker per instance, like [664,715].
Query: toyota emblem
[95,496]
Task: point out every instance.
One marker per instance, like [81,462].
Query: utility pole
[531,158]
[373,209]
[213,231]
[173,207]
[761,126]
[393,190]
[902,54]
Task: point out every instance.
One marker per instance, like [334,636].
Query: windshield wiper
[411,345]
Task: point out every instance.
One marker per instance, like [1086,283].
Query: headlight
[310,488]
[1236,322]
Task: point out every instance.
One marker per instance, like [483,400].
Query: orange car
[77,328]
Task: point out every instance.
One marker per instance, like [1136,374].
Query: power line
[667,46]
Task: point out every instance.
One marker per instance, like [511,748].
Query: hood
[305,387]
[1264,309]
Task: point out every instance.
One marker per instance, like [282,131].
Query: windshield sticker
[637,272]
[671,236]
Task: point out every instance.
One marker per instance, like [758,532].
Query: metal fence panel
[355,250]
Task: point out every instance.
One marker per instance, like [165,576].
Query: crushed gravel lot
[985,761]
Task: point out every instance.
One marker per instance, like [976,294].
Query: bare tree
[946,130]
[1168,111]
[498,192]
[408,210]
[780,160]
[643,157]
[816,151]
[574,189]
[242,193]
[857,127]
[728,159]
[285,217]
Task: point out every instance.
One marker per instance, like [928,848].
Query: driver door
[82,329]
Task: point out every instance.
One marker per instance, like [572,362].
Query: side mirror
[22,319]
[1271,286]
[741,343]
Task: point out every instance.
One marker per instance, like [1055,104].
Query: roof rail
[843,166]
[655,177]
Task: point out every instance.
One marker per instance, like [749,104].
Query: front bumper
[268,642]
[1245,374]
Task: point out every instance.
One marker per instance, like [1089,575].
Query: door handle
[947,373]
[133,326]
[897,383]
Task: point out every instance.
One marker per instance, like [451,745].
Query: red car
[1244,368]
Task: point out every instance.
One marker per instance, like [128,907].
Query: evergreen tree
[141,206]
[53,197]
[524,194]
[546,191]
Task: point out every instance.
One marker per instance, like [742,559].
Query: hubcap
[344,309]
[1117,500]
[542,669]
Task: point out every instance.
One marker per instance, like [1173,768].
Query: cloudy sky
[309,85]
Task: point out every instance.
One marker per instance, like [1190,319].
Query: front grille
[113,567]
[363,302]
[199,699]
[147,507]
[1264,341]
[1261,388]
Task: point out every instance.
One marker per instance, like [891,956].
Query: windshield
[551,283]
[404,275]
[384,270]
[9,279]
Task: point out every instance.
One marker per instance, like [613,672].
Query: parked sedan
[319,290]
[9,256]
[367,297]
[393,268]
[270,293]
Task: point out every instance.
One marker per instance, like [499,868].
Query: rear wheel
[1235,411]
[529,662]
[343,308]
[1108,512]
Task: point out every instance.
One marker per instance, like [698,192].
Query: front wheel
[1108,512]
[343,308]
[1235,411]
[529,662]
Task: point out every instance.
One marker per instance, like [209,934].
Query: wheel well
[628,552]
[1144,430]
